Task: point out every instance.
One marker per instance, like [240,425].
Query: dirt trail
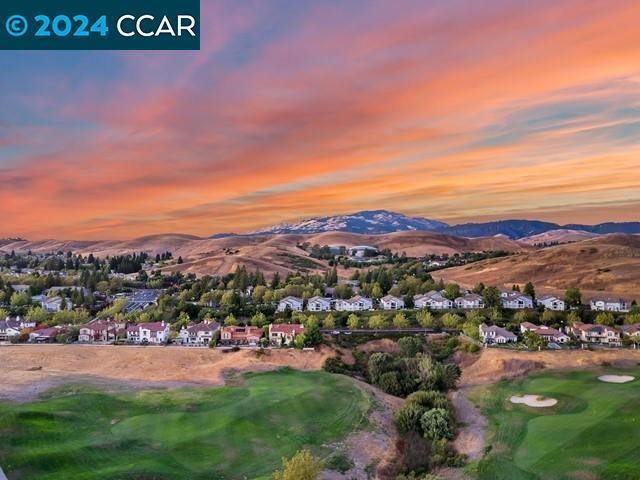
[29,370]
[472,437]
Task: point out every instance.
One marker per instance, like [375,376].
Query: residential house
[592,333]
[354,304]
[98,331]
[631,330]
[389,302]
[55,304]
[551,302]
[284,333]
[292,303]
[547,333]
[141,299]
[494,334]
[9,329]
[46,335]
[21,288]
[319,304]
[434,300]
[234,335]
[469,301]
[199,333]
[514,300]
[609,304]
[152,332]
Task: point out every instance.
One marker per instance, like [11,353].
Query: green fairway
[592,433]
[235,432]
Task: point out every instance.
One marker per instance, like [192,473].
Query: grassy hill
[228,433]
[608,264]
[592,433]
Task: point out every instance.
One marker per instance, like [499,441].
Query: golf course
[233,432]
[591,432]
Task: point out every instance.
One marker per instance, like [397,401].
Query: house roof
[592,327]
[203,327]
[99,325]
[470,297]
[608,300]
[151,326]
[357,298]
[499,331]
[389,298]
[242,332]
[631,329]
[319,299]
[291,299]
[48,332]
[286,328]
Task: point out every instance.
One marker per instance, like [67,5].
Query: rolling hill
[603,265]
[269,253]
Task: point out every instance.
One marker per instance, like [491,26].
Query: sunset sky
[452,110]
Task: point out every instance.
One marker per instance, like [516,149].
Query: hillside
[558,236]
[269,253]
[608,264]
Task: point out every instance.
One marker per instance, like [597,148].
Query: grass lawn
[235,432]
[592,433]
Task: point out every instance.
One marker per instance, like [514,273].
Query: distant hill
[558,236]
[384,221]
[369,222]
[608,264]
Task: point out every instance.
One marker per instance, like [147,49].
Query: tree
[452,291]
[533,341]
[20,299]
[302,466]
[450,320]
[549,316]
[425,319]
[353,321]
[409,346]
[573,317]
[529,290]
[230,320]
[605,318]
[379,363]
[259,320]
[573,297]
[520,317]
[491,296]
[437,424]
[400,320]
[329,321]
[377,322]
[312,336]
[408,417]
[479,288]
[376,291]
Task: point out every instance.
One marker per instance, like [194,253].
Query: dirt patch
[134,366]
[385,345]
[497,364]
[472,436]
[535,401]
[616,378]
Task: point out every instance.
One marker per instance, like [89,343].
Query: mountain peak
[366,221]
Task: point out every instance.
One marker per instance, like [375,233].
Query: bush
[429,399]
[437,424]
[339,462]
[335,365]
[407,418]
[410,346]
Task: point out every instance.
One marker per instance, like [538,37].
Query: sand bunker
[616,378]
[535,401]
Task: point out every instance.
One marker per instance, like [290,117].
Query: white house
[54,304]
[631,330]
[284,333]
[319,304]
[389,302]
[470,300]
[354,304]
[9,329]
[433,300]
[547,333]
[198,334]
[144,333]
[515,300]
[493,334]
[609,304]
[294,304]
[552,302]
[591,333]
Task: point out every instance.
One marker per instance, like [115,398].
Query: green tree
[408,417]
[605,318]
[377,322]
[491,296]
[376,291]
[437,424]
[230,320]
[353,321]
[573,317]
[452,291]
[530,290]
[520,317]
[410,346]
[302,466]
[573,297]
[425,319]
[259,320]
[329,321]
[400,320]
[20,299]
[450,320]
[533,341]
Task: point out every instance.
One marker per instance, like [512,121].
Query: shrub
[437,424]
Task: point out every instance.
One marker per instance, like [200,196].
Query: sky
[452,110]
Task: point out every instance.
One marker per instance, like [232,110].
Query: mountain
[369,222]
[513,229]
[558,236]
[609,227]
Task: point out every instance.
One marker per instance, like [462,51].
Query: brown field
[32,369]
[609,264]
[267,253]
